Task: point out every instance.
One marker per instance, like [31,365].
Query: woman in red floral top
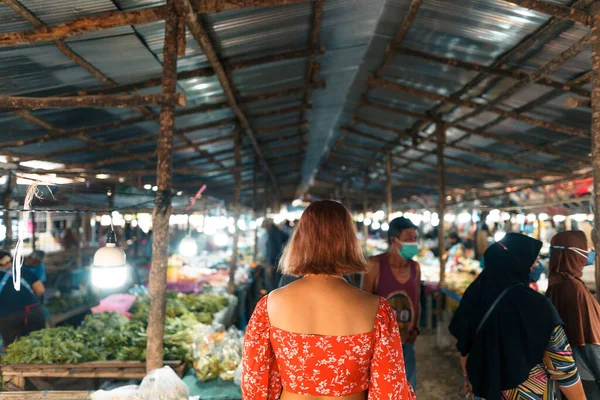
[319,336]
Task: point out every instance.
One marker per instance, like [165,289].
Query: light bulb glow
[376,225]
[499,236]
[385,227]
[543,217]
[464,217]
[367,221]
[188,247]
[559,218]
[110,277]
[221,239]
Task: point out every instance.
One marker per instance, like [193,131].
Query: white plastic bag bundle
[163,384]
[238,375]
[160,384]
[231,354]
[122,393]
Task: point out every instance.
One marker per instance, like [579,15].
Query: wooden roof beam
[207,72]
[471,104]
[558,11]
[201,35]
[545,31]
[546,70]
[113,19]
[477,151]
[507,73]
[55,135]
[33,103]
[491,136]
[312,68]
[278,128]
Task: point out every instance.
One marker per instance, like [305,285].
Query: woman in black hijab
[511,337]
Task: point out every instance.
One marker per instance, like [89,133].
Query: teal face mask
[409,250]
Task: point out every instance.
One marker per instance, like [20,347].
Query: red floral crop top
[317,365]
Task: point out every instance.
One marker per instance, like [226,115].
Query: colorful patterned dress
[317,365]
[558,369]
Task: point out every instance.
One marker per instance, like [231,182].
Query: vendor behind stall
[20,311]
[35,263]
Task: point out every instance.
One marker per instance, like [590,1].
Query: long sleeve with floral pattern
[388,376]
[260,373]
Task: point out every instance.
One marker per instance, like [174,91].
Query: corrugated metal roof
[355,34]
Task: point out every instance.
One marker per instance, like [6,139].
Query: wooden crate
[15,375]
[58,395]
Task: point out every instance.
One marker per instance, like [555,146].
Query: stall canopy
[321,92]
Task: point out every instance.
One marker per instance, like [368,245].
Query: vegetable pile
[110,336]
[61,304]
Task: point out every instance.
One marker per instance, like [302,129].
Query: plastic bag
[206,347]
[122,393]
[237,379]
[163,384]
[231,354]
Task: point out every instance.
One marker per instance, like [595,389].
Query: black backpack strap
[491,309]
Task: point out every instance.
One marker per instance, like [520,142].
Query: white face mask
[577,250]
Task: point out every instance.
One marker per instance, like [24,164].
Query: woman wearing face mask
[396,277]
[576,305]
[20,311]
[511,338]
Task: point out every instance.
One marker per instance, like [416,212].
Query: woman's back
[323,305]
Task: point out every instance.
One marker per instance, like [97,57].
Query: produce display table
[451,294]
[212,390]
[47,395]
[16,374]
[55,320]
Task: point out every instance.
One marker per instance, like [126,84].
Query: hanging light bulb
[110,269]
[188,247]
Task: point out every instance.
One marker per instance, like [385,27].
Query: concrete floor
[438,371]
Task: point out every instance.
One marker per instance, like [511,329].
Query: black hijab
[513,338]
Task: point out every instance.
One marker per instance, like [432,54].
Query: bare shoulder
[373,263]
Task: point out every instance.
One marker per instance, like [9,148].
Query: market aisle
[438,372]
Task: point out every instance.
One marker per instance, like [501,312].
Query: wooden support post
[237,206]
[595,14]
[33,227]
[162,208]
[388,184]
[365,211]
[78,237]
[11,181]
[99,101]
[255,206]
[441,133]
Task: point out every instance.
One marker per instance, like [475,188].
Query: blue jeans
[410,364]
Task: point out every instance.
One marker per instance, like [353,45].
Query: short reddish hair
[324,243]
